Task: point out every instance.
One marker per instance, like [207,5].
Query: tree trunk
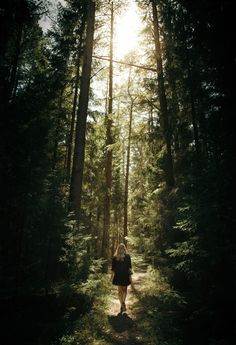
[15,63]
[169,171]
[57,130]
[72,123]
[73,114]
[108,164]
[79,149]
[126,196]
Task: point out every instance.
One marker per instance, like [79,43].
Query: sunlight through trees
[117,126]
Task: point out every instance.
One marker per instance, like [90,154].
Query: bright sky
[127,27]
[45,22]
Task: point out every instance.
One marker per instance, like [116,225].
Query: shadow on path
[121,322]
[124,328]
[123,331]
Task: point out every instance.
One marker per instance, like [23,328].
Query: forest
[117,126]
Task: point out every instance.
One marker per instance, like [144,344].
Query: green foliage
[185,229]
[186,232]
[163,308]
[90,326]
[77,256]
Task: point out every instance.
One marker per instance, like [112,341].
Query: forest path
[152,316]
[123,329]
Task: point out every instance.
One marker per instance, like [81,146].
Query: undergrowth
[88,327]
[160,308]
[158,313]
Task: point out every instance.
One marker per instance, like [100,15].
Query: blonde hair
[120,252]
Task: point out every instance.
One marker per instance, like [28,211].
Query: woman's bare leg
[124,290]
[120,294]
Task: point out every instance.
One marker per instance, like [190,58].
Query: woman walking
[121,273]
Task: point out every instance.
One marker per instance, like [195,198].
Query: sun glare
[126,31]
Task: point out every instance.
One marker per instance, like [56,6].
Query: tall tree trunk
[73,114]
[72,123]
[109,141]
[57,130]
[169,171]
[79,149]
[126,196]
[15,64]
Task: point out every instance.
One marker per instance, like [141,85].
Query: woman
[121,273]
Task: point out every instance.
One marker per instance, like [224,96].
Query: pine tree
[79,149]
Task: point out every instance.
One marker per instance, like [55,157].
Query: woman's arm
[129,263]
[112,275]
[113,268]
[130,271]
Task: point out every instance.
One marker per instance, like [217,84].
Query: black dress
[122,269]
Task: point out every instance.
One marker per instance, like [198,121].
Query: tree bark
[79,149]
[73,114]
[72,123]
[109,141]
[57,130]
[15,64]
[126,195]
[169,171]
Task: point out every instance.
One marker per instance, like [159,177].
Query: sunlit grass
[156,309]
[160,307]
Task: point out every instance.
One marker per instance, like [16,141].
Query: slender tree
[169,171]
[109,142]
[72,120]
[75,98]
[79,149]
[126,194]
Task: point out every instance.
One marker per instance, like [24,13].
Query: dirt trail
[123,328]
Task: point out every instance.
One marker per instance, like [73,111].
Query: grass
[160,310]
[152,319]
[88,328]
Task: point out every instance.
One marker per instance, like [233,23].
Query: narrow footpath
[151,317]
[123,327]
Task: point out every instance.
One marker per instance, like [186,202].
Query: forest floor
[123,328]
[153,315]
[149,319]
